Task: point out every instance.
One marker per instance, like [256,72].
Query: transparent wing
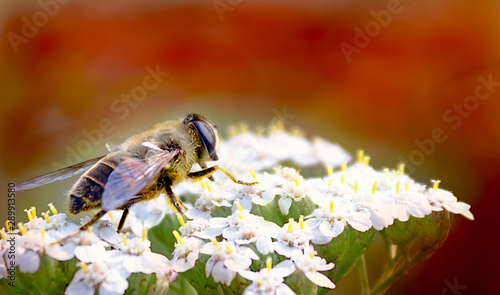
[131,176]
[58,174]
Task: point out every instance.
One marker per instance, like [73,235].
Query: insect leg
[122,220]
[84,226]
[175,200]
[209,171]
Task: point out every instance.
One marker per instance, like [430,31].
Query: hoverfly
[141,168]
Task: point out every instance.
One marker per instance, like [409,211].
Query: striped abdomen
[87,191]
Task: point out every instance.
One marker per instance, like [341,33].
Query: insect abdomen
[87,192]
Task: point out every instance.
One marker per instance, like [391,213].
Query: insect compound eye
[208,138]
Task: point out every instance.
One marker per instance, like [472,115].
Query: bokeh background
[72,78]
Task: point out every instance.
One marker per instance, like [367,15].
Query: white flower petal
[221,274]
[283,289]
[319,279]
[285,204]
[61,253]
[78,288]
[29,262]
[284,268]
[92,253]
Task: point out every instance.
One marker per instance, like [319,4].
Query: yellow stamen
[203,185]
[2,234]
[111,216]
[401,168]
[290,224]
[7,226]
[343,167]
[301,221]
[90,229]
[52,208]
[406,186]
[296,181]
[329,181]
[180,218]
[374,187]
[124,236]
[42,232]
[144,234]
[313,253]
[329,170]
[21,228]
[177,237]
[33,211]
[240,208]
[435,184]
[331,206]
[238,205]
[46,216]
[215,242]
[361,154]
[356,186]
[366,160]
[82,265]
[269,264]
[28,212]
[253,174]
[228,248]
[209,188]
[397,186]
[342,176]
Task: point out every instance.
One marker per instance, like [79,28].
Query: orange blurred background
[400,79]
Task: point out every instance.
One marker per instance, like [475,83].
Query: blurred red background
[72,78]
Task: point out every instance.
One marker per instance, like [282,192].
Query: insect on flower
[141,168]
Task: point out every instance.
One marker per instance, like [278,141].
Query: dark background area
[72,77]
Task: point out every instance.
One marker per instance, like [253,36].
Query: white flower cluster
[106,258]
[224,225]
[247,150]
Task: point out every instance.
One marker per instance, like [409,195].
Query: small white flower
[135,255]
[186,253]
[226,259]
[269,280]
[261,193]
[381,208]
[244,228]
[31,244]
[310,265]
[53,222]
[152,212]
[105,230]
[132,224]
[291,191]
[209,200]
[110,279]
[410,203]
[86,246]
[292,239]
[439,199]
[330,219]
[199,227]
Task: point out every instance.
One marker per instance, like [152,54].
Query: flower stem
[396,272]
[363,275]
